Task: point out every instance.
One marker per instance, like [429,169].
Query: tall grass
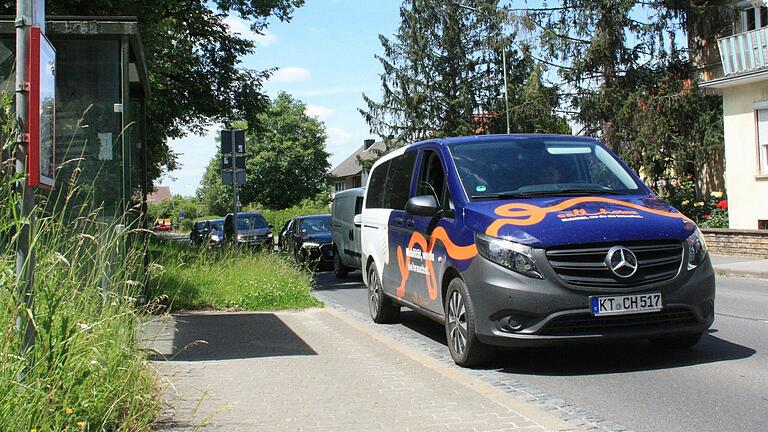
[227,278]
[86,371]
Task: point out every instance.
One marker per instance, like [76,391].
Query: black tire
[686,341]
[463,344]
[339,269]
[383,310]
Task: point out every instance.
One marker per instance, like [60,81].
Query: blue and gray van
[526,240]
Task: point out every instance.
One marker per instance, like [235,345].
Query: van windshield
[247,222]
[527,167]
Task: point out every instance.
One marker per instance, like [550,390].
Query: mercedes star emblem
[621,261]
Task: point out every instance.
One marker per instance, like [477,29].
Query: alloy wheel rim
[374,293]
[457,323]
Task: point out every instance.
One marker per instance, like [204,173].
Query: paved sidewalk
[743,266]
[319,370]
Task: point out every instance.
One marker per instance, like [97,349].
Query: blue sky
[326,59]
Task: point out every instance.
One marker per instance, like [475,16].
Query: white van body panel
[375,227]
[344,234]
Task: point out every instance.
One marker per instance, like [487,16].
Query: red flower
[706,216]
[722,204]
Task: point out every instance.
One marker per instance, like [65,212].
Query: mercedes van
[345,234]
[526,240]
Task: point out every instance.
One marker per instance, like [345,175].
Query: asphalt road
[719,385]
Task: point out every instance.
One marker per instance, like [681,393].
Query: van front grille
[585,266]
[585,324]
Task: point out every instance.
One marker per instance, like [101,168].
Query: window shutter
[762,137]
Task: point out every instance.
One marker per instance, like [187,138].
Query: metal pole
[234,186]
[25,258]
[506,90]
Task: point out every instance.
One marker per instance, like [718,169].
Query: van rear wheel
[383,310]
[339,270]
[466,350]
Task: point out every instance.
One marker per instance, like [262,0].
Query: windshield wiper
[557,192]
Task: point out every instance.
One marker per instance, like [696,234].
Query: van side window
[376,186]
[399,181]
[358,205]
[432,177]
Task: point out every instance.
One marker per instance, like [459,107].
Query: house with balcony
[737,68]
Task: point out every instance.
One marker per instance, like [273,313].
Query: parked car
[252,230]
[215,232]
[308,240]
[345,234]
[163,224]
[199,233]
[282,244]
[522,240]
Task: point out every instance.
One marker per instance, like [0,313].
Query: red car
[161,227]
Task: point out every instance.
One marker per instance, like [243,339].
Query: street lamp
[504,64]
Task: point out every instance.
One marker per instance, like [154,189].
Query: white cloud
[290,74]
[338,137]
[242,27]
[321,112]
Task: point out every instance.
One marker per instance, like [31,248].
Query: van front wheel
[383,309]
[466,350]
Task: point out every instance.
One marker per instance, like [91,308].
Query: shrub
[709,212]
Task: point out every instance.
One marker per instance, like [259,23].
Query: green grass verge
[224,278]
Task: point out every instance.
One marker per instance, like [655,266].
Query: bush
[317,205]
[227,278]
[710,212]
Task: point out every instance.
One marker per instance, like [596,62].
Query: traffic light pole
[235,198]
[25,258]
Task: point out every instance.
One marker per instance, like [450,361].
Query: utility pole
[25,257]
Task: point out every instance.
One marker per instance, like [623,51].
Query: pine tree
[443,75]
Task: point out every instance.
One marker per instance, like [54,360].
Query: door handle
[410,223]
[399,221]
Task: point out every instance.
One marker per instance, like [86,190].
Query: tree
[631,83]
[287,158]
[215,197]
[443,76]
[193,60]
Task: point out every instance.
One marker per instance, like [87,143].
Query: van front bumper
[515,310]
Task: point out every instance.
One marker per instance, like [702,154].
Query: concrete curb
[755,274]
[533,413]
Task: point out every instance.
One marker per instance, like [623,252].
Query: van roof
[360,191]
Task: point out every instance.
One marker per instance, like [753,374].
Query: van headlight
[215,237]
[514,256]
[697,249]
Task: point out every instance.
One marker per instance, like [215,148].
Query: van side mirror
[422,205]
[357,220]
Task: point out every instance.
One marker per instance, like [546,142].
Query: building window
[339,186]
[754,18]
[762,140]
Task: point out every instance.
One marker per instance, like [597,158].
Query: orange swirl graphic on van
[417,239]
[522,214]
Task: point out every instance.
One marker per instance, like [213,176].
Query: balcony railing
[744,52]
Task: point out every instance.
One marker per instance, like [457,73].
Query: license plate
[628,304]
